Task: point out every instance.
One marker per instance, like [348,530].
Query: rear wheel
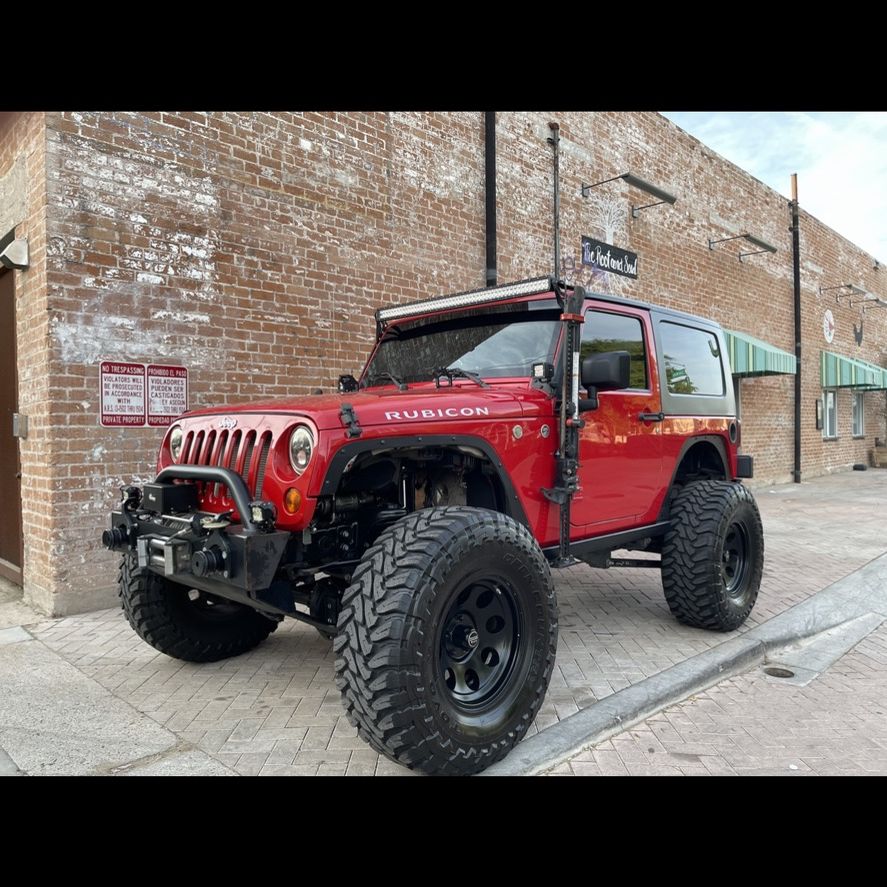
[713,555]
[187,623]
[446,639]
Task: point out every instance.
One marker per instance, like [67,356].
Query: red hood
[388,405]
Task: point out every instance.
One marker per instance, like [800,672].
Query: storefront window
[830,423]
[858,414]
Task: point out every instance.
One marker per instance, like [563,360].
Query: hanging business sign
[609,258]
[828,326]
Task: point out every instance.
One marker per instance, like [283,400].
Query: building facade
[251,249]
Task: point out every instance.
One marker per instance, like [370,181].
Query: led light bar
[467,299]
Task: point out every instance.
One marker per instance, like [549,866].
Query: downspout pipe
[490,193]
[796,267]
[555,141]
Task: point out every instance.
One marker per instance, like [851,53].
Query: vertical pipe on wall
[554,141]
[490,192]
[796,267]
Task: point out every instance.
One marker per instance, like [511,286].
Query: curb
[861,592]
[8,767]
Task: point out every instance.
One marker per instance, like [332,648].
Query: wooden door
[10,464]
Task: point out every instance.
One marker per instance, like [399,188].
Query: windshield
[493,341]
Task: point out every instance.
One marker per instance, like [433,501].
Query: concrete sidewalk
[85,695]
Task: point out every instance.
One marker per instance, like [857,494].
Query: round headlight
[175,443]
[301,447]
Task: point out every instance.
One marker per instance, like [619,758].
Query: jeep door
[620,453]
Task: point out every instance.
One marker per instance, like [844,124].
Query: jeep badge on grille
[227,422]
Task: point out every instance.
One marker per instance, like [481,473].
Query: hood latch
[349,420]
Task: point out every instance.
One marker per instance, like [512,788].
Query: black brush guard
[234,561]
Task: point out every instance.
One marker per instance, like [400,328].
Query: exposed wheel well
[370,486]
[703,460]
[420,477]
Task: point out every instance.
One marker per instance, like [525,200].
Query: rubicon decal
[449,413]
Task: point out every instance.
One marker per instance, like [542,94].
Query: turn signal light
[292,501]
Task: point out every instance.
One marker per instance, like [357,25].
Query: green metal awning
[752,357]
[848,372]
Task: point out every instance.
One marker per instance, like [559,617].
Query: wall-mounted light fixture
[754,241]
[15,254]
[854,290]
[639,183]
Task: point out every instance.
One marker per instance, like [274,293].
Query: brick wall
[253,248]
[827,260]
[676,267]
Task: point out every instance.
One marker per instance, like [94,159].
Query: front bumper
[211,552]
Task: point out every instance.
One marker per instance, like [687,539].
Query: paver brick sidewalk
[276,710]
[758,725]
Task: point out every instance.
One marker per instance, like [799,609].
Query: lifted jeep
[415,515]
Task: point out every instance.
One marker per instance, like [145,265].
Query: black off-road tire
[713,555]
[181,623]
[446,639]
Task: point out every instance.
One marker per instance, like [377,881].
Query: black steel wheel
[480,639]
[446,639]
[713,555]
[735,559]
[187,623]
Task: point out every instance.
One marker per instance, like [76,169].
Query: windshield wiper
[451,372]
[381,376]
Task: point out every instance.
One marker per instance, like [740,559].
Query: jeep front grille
[263,459]
[242,451]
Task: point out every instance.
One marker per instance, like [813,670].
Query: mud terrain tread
[691,578]
[386,611]
[162,619]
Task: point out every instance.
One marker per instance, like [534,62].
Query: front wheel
[187,623]
[446,639]
[713,555]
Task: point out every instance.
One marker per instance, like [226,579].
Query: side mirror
[347,383]
[609,371]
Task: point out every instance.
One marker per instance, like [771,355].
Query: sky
[840,158]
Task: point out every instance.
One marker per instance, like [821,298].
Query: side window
[692,360]
[603,331]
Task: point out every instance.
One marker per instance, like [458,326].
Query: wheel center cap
[473,638]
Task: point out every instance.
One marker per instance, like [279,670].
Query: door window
[604,332]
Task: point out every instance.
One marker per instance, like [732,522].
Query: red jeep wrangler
[415,514]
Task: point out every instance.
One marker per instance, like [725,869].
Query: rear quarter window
[692,361]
